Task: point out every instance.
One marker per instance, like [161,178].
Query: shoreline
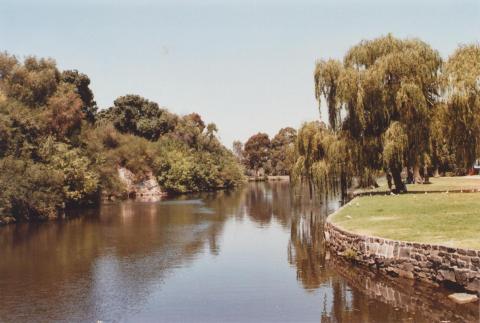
[436,264]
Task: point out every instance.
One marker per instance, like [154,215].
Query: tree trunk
[389,180]
[397,179]
[310,189]
[416,175]
[343,185]
[410,179]
[425,175]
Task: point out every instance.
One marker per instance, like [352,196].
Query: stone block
[463,298]
[473,286]
[471,253]
[446,275]
[407,266]
[461,275]
[404,252]
[405,274]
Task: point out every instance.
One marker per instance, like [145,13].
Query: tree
[32,82]
[63,113]
[29,190]
[237,148]
[460,117]
[380,82]
[82,85]
[282,147]
[257,151]
[189,129]
[138,116]
[51,159]
[323,162]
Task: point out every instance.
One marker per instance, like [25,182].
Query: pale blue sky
[246,65]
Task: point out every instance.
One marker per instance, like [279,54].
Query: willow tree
[460,116]
[382,85]
[322,163]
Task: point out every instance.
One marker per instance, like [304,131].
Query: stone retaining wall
[408,295]
[434,264]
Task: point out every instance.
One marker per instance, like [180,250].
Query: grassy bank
[437,184]
[451,219]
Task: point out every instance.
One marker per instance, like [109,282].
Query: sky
[245,65]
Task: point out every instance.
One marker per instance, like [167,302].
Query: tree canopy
[257,151]
[460,116]
[57,151]
[392,104]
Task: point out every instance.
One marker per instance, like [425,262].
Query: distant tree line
[272,156]
[58,150]
[393,105]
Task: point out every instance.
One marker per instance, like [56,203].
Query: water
[248,255]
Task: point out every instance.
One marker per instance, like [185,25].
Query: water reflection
[223,256]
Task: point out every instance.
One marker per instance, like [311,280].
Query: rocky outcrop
[434,264]
[147,188]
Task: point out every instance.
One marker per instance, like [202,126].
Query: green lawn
[437,184]
[451,219]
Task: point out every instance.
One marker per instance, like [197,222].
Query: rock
[463,298]
[474,286]
[461,276]
[146,188]
[7,220]
[404,253]
[446,275]
[407,266]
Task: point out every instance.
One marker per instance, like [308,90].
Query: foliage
[32,82]
[138,116]
[29,190]
[460,117]
[82,85]
[275,157]
[350,254]
[383,85]
[322,159]
[257,151]
[57,152]
[63,113]
[237,148]
[80,181]
[282,151]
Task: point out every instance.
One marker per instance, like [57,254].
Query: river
[252,254]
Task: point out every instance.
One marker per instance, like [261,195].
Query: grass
[437,184]
[450,219]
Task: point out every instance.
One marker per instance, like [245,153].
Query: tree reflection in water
[111,261]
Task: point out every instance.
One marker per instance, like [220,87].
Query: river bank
[368,231]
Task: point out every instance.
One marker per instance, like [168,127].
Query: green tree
[282,148]
[57,152]
[29,190]
[82,85]
[237,148]
[257,151]
[80,180]
[63,113]
[32,82]
[460,118]
[139,116]
[380,82]
[323,162]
